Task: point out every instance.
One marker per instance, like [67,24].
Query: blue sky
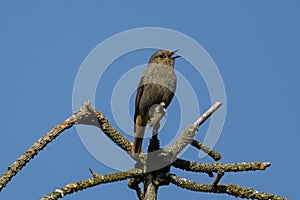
[255,45]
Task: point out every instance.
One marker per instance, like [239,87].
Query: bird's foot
[156,113]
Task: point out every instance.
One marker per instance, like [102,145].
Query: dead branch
[215,167]
[187,136]
[94,181]
[97,119]
[212,153]
[38,146]
[230,189]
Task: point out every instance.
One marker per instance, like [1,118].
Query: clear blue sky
[255,45]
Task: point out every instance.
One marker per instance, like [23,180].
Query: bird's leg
[154,161]
[154,142]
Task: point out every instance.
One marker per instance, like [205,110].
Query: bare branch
[230,189]
[96,180]
[97,118]
[139,193]
[187,136]
[218,178]
[150,187]
[134,185]
[216,167]
[212,153]
[208,113]
[38,146]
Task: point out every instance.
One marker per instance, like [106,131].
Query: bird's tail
[138,139]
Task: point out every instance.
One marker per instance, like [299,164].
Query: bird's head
[164,57]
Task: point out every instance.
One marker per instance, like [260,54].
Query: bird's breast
[163,75]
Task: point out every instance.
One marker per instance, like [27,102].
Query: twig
[212,153]
[218,178]
[139,193]
[230,189]
[96,180]
[134,185]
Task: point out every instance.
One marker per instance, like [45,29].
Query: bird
[157,85]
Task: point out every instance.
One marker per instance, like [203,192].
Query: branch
[187,136]
[212,153]
[216,167]
[97,119]
[150,187]
[134,185]
[230,189]
[38,146]
[218,178]
[85,115]
[96,180]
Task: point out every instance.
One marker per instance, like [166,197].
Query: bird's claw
[157,113]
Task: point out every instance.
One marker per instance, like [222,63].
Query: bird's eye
[161,56]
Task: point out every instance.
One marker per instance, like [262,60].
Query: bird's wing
[138,97]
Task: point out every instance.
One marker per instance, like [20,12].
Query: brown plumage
[157,84]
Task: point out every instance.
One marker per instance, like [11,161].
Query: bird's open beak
[172,53]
